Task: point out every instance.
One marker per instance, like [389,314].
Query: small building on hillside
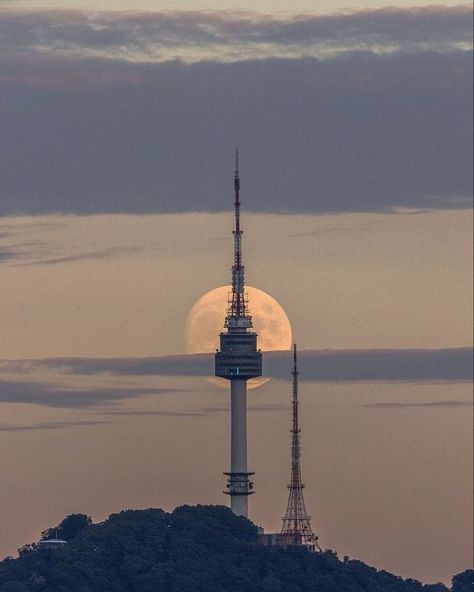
[277,539]
[51,544]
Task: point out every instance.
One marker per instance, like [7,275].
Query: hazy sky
[123,285]
[118,130]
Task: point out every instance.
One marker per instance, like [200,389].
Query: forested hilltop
[193,549]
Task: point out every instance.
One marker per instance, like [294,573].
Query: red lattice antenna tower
[296,529]
[237,299]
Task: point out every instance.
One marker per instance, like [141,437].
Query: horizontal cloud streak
[7,255]
[153,413]
[52,425]
[232,36]
[54,395]
[409,365]
[88,256]
[442,404]
[338,366]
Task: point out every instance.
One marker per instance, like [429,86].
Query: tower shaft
[296,528]
[238,449]
[238,360]
[239,475]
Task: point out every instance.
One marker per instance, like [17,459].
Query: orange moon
[206,320]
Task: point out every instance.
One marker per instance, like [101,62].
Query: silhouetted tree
[193,549]
[463,582]
[69,528]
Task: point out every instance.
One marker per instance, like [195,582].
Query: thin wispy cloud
[7,255]
[51,425]
[18,252]
[414,405]
[87,256]
[154,413]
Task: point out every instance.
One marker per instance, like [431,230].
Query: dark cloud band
[409,365]
[358,133]
[373,113]
[419,365]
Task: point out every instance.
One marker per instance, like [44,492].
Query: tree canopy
[69,528]
[192,549]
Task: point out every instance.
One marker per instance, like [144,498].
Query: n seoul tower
[238,360]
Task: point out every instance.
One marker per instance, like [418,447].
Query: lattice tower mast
[296,528]
[238,360]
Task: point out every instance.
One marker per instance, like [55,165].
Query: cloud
[18,251]
[177,365]
[228,36]
[415,365]
[7,255]
[88,256]
[442,404]
[407,365]
[26,253]
[55,395]
[134,413]
[198,412]
[117,112]
[52,425]
[267,408]
[360,132]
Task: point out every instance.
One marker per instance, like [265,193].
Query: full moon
[206,320]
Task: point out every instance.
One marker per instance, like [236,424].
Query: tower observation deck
[238,360]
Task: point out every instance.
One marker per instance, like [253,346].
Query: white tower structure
[238,360]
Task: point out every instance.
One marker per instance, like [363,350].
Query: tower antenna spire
[237,301]
[238,360]
[296,528]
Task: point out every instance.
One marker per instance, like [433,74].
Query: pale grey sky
[120,285]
